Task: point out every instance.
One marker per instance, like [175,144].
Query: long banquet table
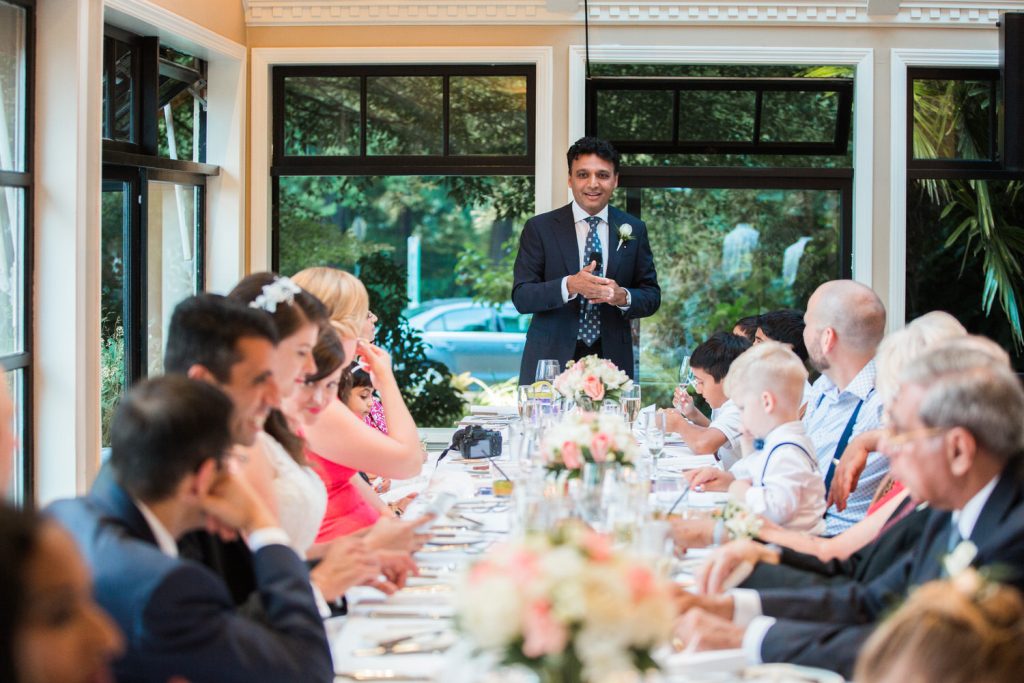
[425,607]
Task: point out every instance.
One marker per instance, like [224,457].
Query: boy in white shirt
[720,435]
[779,479]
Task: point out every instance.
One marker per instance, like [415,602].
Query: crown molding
[881,13]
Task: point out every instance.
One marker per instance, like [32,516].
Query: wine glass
[686,376]
[631,403]
[547,370]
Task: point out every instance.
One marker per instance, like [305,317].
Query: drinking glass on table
[524,398]
[547,370]
[654,439]
[631,403]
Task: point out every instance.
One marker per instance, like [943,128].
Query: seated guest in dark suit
[956,440]
[167,475]
[584,270]
[51,630]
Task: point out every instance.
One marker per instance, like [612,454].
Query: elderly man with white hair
[955,440]
[844,323]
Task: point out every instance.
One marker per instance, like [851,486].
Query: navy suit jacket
[178,617]
[826,626]
[548,251]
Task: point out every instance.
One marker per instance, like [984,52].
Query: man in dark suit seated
[168,475]
[584,270]
[956,441]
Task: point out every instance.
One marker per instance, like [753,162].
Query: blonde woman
[338,435]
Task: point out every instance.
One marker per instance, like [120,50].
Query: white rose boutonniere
[625,234]
[960,559]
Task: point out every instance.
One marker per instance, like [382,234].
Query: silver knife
[380,675]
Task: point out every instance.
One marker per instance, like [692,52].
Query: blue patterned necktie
[590,316]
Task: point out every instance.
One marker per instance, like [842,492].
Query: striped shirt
[828,412]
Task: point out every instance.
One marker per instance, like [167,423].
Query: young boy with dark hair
[720,435]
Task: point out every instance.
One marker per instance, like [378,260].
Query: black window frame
[955,168]
[138,163]
[362,164]
[636,178]
[843,87]
[25,181]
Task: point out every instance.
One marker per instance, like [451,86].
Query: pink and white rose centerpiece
[587,437]
[567,605]
[591,380]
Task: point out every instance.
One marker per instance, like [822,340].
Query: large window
[744,178]
[433,165]
[965,213]
[153,205]
[16,58]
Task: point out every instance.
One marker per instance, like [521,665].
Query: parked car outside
[469,336]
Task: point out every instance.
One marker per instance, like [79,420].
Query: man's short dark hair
[787,326]
[163,430]
[205,330]
[716,354]
[748,325]
[592,145]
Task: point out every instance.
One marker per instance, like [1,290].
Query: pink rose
[641,583]
[571,455]
[522,568]
[542,634]
[599,446]
[593,388]
[598,546]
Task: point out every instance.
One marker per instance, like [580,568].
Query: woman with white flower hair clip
[339,436]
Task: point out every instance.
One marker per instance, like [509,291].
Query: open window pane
[12,88]
[635,115]
[172,226]
[321,115]
[952,119]
[405,115]
[488,115]
[113,366]
[722,254]
[12,270]
[716,115]
[799,116]
[121,89]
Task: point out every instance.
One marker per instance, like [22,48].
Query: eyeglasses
[893,442]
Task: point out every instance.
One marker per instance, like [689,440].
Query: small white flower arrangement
[281,291]
[587,437]
[625,234]
[591,380]
[566,605]
[739,521]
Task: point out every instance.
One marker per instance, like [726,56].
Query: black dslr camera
[476,442]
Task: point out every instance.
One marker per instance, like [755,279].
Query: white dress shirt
[582,229]
[786,485]
[728,419]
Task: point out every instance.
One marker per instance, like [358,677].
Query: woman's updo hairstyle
[343,294]
[957,631]
[283,299]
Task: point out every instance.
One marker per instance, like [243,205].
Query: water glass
[631,403]
[654,438]
[524,394]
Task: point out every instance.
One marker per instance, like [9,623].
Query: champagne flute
[686,377]
[631,404]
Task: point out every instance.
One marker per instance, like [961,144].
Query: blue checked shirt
[828,411]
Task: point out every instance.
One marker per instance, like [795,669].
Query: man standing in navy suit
[584,270]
